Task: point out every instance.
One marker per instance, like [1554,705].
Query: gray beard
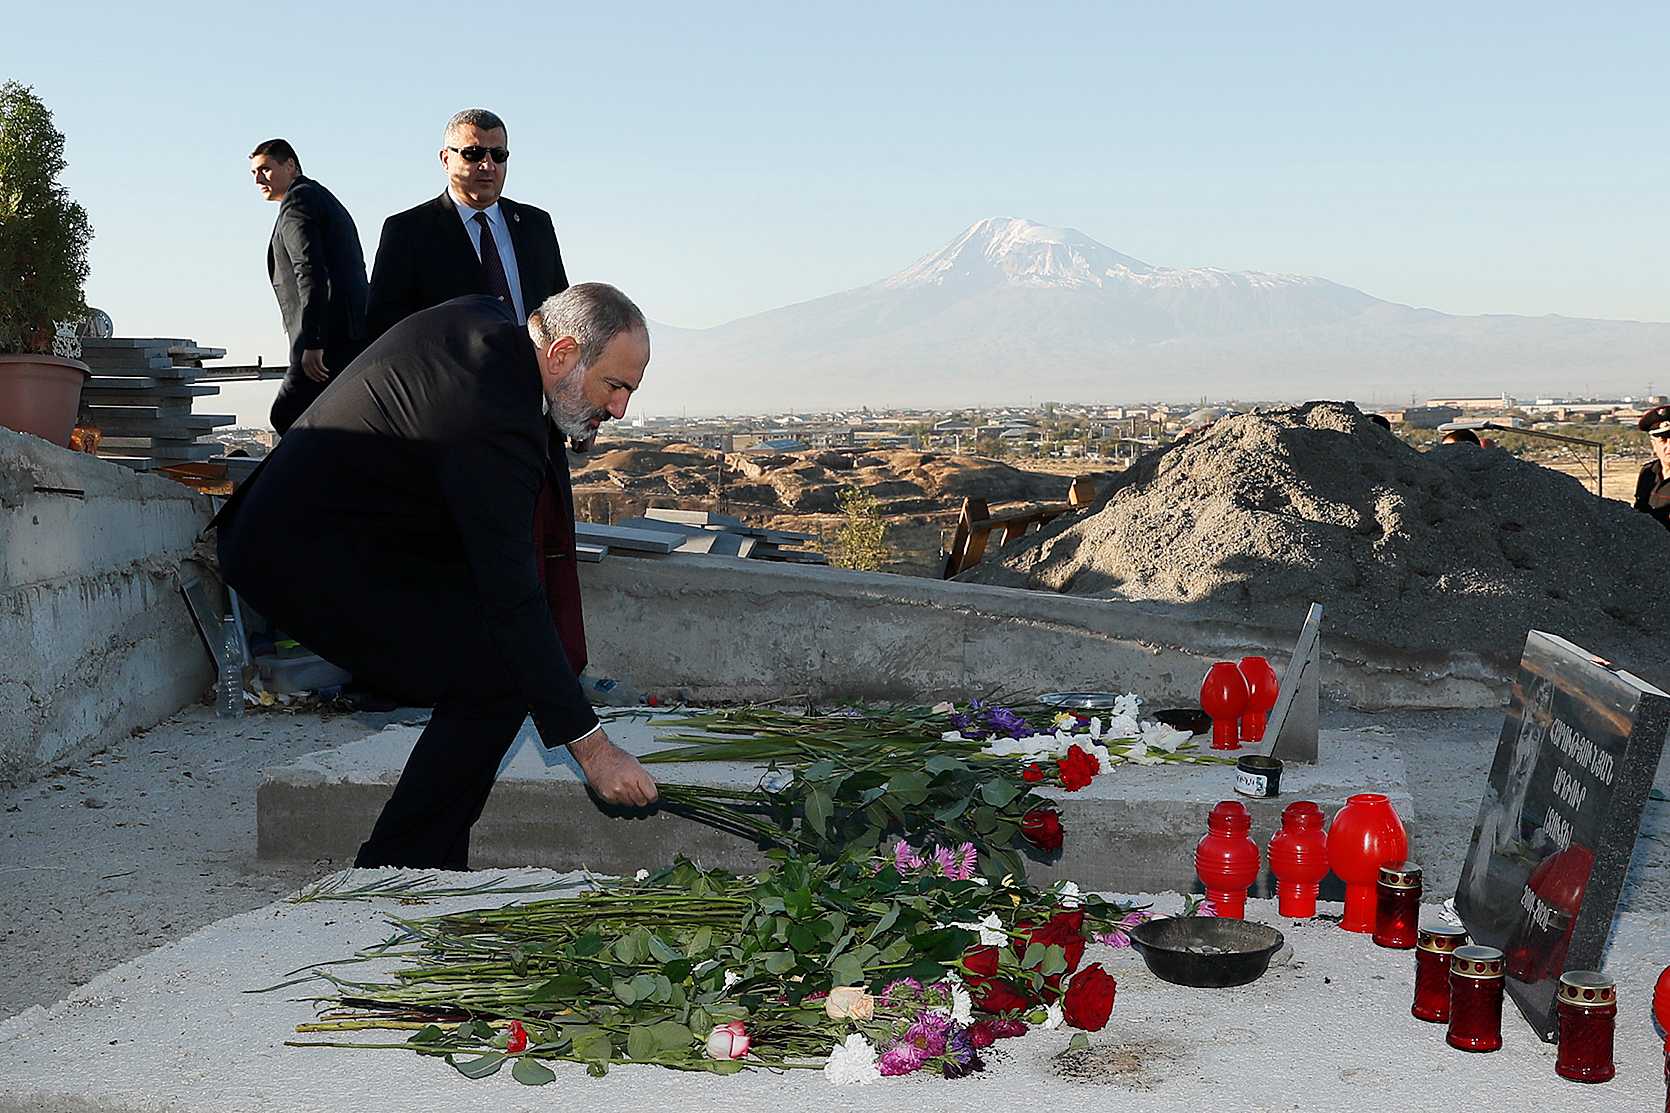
[569,410]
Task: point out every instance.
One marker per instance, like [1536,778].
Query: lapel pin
[517,217]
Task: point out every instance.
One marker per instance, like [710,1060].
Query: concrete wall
[96,639]
[719,628]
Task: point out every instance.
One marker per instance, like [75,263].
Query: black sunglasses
[500,155]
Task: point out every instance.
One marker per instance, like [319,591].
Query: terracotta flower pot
[1365,835]
[40,395]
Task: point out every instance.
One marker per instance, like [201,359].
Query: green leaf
[640,1042]
[560,988]
[1034,955]
[909,788]
[662,950]
[429,1033]
[531,1072]
[644,986]
[888,919]
[598,1069]
[624,991]
[780,962]
[670,1035]
[593,1044]
[871,795]
[677,970]
[803,939]
[953,810]
[700,943]
[1055,961]
[818,809]
[626,949]
[479,1067]
[1079,1042]
[999,792]
[587,945]
[941,763]
[848,970]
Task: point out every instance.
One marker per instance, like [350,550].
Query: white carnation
[1069,895]
[852,1063]
[641,875]
[990,929]
[1054,1018]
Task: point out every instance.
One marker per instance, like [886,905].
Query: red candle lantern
[1226,858]
[1475,999]
[1661,1002]
[1397,905]
[1365,835]
[1262,688]
[1587,1005]
[1223,695]
[1299,859]
[1435,945]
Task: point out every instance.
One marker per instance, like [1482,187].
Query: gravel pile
[1459,548]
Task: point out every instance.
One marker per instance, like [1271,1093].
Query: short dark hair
[1460,436]
[594,313]
[279,149]
[474,118]
[1381,420]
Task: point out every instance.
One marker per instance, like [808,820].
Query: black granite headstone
[1579,749]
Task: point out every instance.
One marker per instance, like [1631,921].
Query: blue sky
[717,160]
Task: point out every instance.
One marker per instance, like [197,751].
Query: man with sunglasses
[1652,487]
[469,240]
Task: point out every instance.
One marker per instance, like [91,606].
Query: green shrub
[860,544]
[43,234]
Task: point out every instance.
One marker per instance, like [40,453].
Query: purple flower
[958,864]
[1206,908]
[906,858]
[1120,936]
[960,1057]
[1004,721]
[901,1058]
[901,990]
[928,1034]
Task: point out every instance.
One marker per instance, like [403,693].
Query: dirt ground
[155,837]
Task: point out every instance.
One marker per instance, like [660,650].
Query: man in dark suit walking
[393,532]
[469,240]
[317,269]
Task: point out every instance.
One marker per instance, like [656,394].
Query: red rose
[980,1034]
[1032,773]
[989,993]
[1089,999]
[1042,828]
[517,1038]
[1064,930]
[1078,768]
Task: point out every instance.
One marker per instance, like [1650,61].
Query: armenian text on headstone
[1579,748]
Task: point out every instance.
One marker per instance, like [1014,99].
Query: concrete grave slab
[323,806]
[1327,1028]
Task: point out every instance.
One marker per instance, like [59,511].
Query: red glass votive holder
[1475,999]
[1397,905]
[1434,946]
[1587,1005]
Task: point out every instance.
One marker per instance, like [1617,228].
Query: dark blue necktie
[493,276]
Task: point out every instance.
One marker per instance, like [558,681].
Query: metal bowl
[1191,719]
[1080,701]
[1206,951]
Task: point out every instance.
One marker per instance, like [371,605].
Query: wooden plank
[968,542]
[625,540]
[124,342]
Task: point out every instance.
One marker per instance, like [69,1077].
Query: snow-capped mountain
[1012,310]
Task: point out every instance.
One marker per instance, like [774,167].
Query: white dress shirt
[501,239]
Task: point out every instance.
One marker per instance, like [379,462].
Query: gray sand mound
[1459,548]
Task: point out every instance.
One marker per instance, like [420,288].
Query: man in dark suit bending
[317,270]
[469,240]
[393,532]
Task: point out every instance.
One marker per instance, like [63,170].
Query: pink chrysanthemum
[1120,936]
[905,857]
[902,1058]
[902,990]
[958,864]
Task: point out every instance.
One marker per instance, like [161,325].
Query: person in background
[469,240]
[1382,421]
[1462,436]
[317,269]
[1652,486]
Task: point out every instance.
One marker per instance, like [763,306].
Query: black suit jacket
[425,257]
[415,475]
[317,268]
